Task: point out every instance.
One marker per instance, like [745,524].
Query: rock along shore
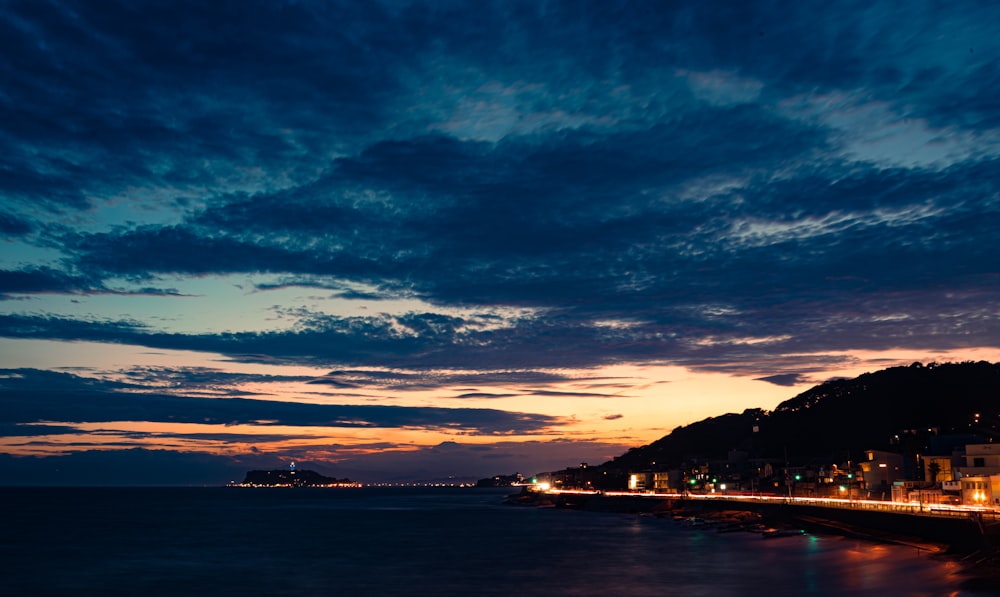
[961,539]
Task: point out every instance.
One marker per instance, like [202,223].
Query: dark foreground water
[303,542]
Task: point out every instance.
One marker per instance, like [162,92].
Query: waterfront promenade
[964,529]
[914,508]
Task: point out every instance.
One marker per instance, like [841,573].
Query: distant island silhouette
[292,478]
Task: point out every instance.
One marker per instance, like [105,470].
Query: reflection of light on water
[813,544]
[866,552]
[390,540]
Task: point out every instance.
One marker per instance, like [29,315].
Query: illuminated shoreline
[915,508]
[346,485]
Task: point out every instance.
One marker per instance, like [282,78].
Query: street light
[885,466]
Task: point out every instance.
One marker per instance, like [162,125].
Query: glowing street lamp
[885,467]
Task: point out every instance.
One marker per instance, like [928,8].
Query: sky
[403,241]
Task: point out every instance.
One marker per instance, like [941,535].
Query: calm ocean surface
[231,541]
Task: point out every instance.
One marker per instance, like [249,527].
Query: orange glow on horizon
[625,404]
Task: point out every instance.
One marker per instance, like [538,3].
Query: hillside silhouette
[897,409]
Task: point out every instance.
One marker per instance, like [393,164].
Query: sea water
[408,541]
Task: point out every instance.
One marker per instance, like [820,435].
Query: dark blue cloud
[730,187]
[31,396]
[49,280]
[783,379]
[45,279]
[13,226]
[118,100]
[433,379]
[186,377]
[21,430]
[682,170]
[682,327]
[876,230]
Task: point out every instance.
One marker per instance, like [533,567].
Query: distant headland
[291,478]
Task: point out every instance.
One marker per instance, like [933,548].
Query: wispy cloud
[31,396]
[433,201]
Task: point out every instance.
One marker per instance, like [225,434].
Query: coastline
[979,565]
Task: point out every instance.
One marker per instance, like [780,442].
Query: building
[978,491]
[938,469]
[667,481]
[879,471]
[583,477]
[641,481]
[981,459]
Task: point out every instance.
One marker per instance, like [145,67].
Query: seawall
[961,535]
